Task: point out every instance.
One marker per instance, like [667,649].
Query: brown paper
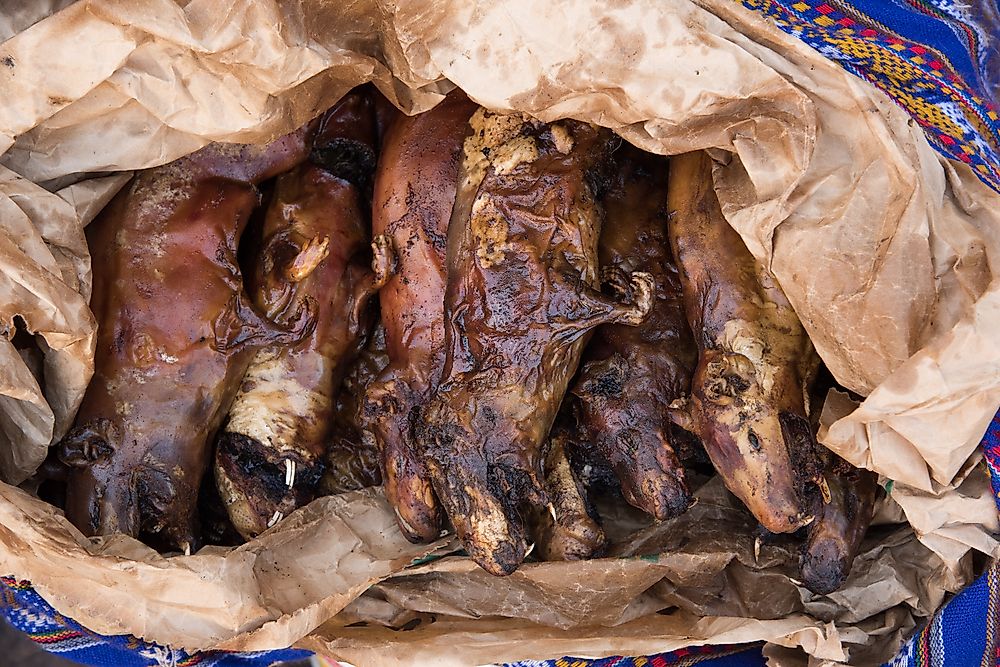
[21,14]
[44,286]
[45,279]
[883,247]
[460,642]
[703,564]
[168,80]
[265,594]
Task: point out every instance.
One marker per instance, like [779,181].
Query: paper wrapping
[261,595]
[44,289]
[883,247]
[700,572]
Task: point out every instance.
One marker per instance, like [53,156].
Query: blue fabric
[940,60]
[945,32]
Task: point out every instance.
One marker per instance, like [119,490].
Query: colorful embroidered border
[960,121]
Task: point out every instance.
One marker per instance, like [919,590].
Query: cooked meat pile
[477,310]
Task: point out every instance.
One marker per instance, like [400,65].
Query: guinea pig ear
[91,443]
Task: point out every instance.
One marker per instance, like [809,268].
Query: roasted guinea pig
[522,294]
[176,334]
[748,393]
[834,536]
[849,496]
[415,188]
[352,462]
[270,455]
[631,375]
[567,529]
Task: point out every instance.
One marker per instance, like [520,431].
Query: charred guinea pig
[632,376]
[522,295]
[270,456]
[415,188]
[748,393]
[177,331]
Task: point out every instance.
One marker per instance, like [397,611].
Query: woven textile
[965,633]
[940,61]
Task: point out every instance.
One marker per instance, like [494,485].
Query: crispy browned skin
[521,297]
[351,461]
[269,457]
[631,375]
[834,537]
[569,532]
[747,395]
[176,334]
[414,192]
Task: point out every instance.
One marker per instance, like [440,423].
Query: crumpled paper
[706,564]
[260,595]
[49,330]
[883,247]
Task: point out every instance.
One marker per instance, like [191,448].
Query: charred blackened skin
[414,191]
[216,528]
[352,462]
[834,537]
[176,334]
[747,395]
[571,531]
[631,375]
[270,455]
[522,295]
[593,471]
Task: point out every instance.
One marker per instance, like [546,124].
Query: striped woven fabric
[940,61]
[991,452]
